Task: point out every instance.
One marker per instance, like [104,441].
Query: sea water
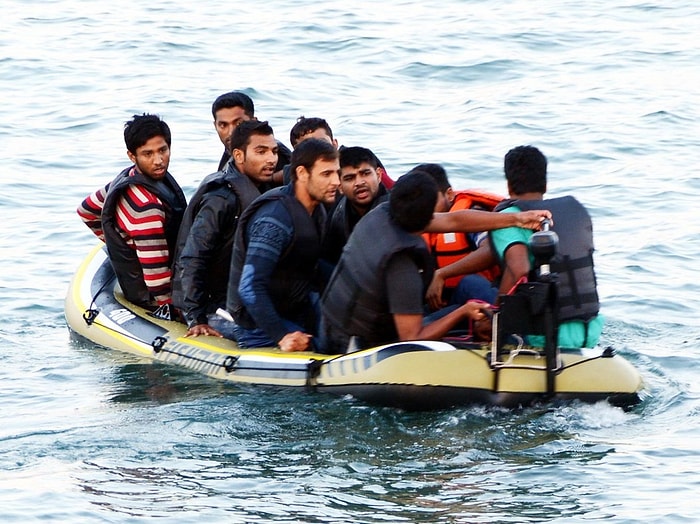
[607,90]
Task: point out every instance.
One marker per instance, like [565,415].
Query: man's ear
[131,156]
[381,172]
[302,173]
[238,156]
[450,194]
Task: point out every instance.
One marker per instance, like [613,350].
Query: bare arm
[473,221]
[517,265]
[410,327]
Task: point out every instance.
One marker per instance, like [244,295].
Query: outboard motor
[532,308]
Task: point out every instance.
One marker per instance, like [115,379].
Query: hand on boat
[533,219]
[295,341]
[203,329]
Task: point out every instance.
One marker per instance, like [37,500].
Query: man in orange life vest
[447,248]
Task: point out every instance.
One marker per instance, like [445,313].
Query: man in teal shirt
[526,174]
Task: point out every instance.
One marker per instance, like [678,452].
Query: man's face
[322,181]
[226,121]
[259,158]
[360,184]
[153,158]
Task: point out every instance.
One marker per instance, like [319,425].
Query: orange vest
[447,248]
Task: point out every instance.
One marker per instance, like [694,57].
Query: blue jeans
[474,287]
[257,338]
[223,326]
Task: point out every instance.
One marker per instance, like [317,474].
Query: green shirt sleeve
[502,239]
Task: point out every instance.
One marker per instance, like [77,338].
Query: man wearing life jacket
[205,241]
[375,295]
[361,190]
[138,214]
[276,251]
[450,247]
[526,174]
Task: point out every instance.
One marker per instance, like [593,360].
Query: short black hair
[234,99]
[438,173]
[304,126]
[412,201]
[141,128]
[240,137]
[308,151]
[526,170]
[356,155]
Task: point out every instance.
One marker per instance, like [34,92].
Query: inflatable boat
[416,375]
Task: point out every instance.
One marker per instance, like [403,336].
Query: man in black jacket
[205,240]
[272,294]
[362,190]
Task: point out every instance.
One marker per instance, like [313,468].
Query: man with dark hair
[138,214]
[205,241]
[303,129]
[578,305]
[361,190]
[315,127]
[229,110]
[275,256]
[375,295]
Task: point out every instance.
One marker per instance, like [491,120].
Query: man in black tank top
[375,295]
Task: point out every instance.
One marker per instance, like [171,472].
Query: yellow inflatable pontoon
[418,375]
